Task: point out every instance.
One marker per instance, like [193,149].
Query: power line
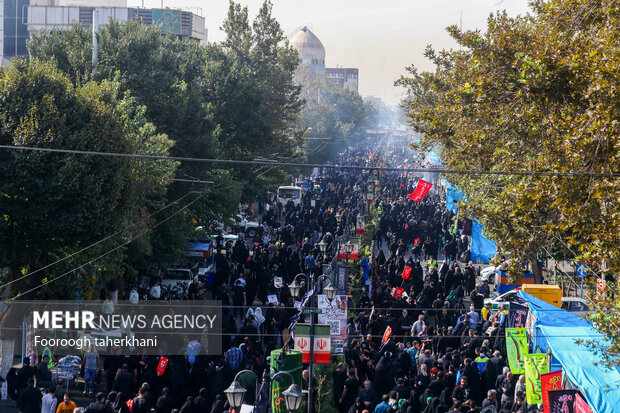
[113,249]
[95,243]
[308,165]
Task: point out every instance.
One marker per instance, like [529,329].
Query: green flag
[516,347]
[535,366]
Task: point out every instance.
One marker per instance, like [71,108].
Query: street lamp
[294,289]
[235,395]
[293,397]
[338,217]
[348,248]
[330,293]
[322,246]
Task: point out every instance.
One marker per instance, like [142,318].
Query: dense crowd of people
[446,352]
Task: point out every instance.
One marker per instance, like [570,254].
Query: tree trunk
[535,270]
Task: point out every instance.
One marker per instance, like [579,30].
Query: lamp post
[236,392]
[330,294]
[348,248]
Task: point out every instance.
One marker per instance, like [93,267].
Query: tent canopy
[556,331]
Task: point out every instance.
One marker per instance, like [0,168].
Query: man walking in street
[29,398]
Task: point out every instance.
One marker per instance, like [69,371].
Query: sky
[381,38]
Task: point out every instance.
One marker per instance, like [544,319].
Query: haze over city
[380,38]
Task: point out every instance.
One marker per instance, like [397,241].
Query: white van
[293,193]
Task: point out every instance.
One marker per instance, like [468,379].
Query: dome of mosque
[310,49]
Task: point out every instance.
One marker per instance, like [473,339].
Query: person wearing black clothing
[111,364]
[339,378]
[350,392]
[100,405]
[26,372]
[188,406]
[141,404]
[43,374]
[29,398]
[165,402]
[462,392]
[124,381]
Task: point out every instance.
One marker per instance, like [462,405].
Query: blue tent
[482,249]
[555,332]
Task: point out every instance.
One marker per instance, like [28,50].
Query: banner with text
[535,367]
[516,348]
[562,401]
[548,382]
[335,314]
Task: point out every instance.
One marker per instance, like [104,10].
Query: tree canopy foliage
[156,94]
[533,93]
[337,115]
[50,201]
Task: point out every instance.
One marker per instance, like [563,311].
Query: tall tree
[536,93]
[337,115]
[52,202]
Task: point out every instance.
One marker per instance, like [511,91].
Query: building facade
[345,77]
[20,18]
[312,56]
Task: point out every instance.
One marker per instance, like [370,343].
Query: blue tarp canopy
[482,249]
[453,194]
[555,331]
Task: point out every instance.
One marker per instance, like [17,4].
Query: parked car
[576,305]
[174,276]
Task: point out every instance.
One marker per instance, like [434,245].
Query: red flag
[415,241]
[129,404]
[370,154]
[420,190]
[161,366]
[386,335]
[548,382]
[398,291]
[406,273]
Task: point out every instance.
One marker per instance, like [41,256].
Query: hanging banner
[516,348]
[322,342]
[334,314]
[354,254]
[406,273]
[562,401]
[342,279]
[420,191]
[387,334]
[517,315]
[535,366]
[549,382]
[581,406]
[161,366]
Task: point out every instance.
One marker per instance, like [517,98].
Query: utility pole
[95,42]
[311,361]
